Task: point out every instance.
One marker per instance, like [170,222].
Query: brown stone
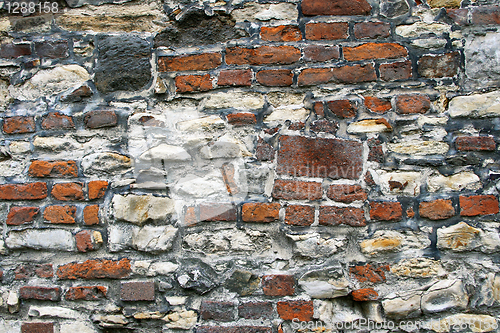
[275,77]
[281,33]
[478,205]
[396,71]
[86,293]
[241,119]
[354,74]
[37,328]
[60,214]
[95,269]
[412,103]
[368,273]
[335,7]
[320,53]
[297,190]
[278,55]
[372,30]
[314,76]
[260,212]
[56,120]
[137,291]
[198,62]
[218,212]
[386,211]
[370,51]
[475,143]
[235,77]
[486,15]
[100,119]
[68,191]
[331,215]
[30,191]
[12,51]
[278,285]
[299,215]
[29,270]
[327,31]
[20,215]
[325,126]
[40,293]
[438,66]
[215,310]
[84,241]
[342,108]
[363,295]
[52,49]
[439,209]
[54,169]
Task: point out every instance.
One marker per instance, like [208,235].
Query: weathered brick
[459,16]
[100,119]
[354,74]
[29,191]
[298,310]
[85,241]
[478,205]
[91,215]
[260,212]
[346,193]
[297,190]
[410,213]
[314,76]
[377,105]
[321,53]
[218,212]
[27,271]
[233,329]
[396,71]
[325,126]
[386,211]
[486,15]
[60,214]
[363,295]
[52,49]
[332,158]
[19,125]
[437,66]
[256,310]
[370,51]
[241,119]
[299,215]
[327,31]
[97,189]
[12,51]
[137,291]
[235,78]
[198,62]
[20,215]
[190,217]
[264,151]
[95,269]
[279,55]
[68,191]
[86,293]
[275,77]
[37,328]
[56,120]
[40,293]
[342,108]
[372,30]
[375,153]
[278,285]
[218,311]
[439,209]
[331,215]
[55,169]
[281,33]
[475,143]
[412,103]
[367,273]
[335,7]
[190,83]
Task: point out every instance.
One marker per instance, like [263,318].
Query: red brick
[29,191]
[325,126]
[437,66]
[78,94]
[68,191]
[327,31]
[346,193]
[55,169]
[91,215]
[264,151]
[85,241]
[335,7]
[241,119]
[37,328]
[320,53]
[486,15]
[366,294]
[478,205]
[370,51]
[298,310]
[281,33]
[40,293]
[386,211]
[279,55]
[235,78]
[319,109]
[396,71]
[95,269]
[299,215]
[189,83]
[342,108]
[137,291]
[368,273]
[19,125]
[256,310]
[233,329]
[372,30]
[308,157]
[377,105]
[56,120]
[459,16]
[439,209]
[20,215]
[275,77]
[260,212]
[278,285]
[375,153]
[475,143]
[97,189]
[198,62]
[314,76]
[100,119]
[52,49]
[331,215]
[60,214]
[297,190]
[412,103]
[90,293]
[218,311]
[218,212]
[12,51]
[297,126]
[354,74]
[29,270]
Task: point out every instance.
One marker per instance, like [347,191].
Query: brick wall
[250,166]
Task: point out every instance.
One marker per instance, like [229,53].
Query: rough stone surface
[482,60]
[139,209]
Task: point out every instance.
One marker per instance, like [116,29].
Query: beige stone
[419,29]
[405,306]
[369,126]
[456,182]
[476,105]
[138,209]
[418,268]
[207,124]
[235,99]
[463,322]
[458,237]
[419,148]
[444,3]
[264,12]
[283,114]
[445,295]
[404,183]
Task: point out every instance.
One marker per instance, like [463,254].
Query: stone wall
[244,166]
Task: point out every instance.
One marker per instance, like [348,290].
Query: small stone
[278,285]
[201,278]
[154,239]
[327,283]
[405,306]
[265,12]
[369,126]
[139,209]
[105,164]
[456,182]
[444,3]
[237,100]
[420,29]
[60,214]
[418,268]
[184,320]
[283,114]
[394,8]
[54,312]
[242,282]
[76,326]
[363,295]
[100,119]
[20,215]
[207,124]
[37,328]
[385,242]
[405,183]
[314,246]
[419,148]
[97,189]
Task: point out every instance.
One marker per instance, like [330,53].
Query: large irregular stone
[482,60]
[54,312]
[420,29]
[227,241]
[197,276]
[384,241]
[314,246]
[418,268]
[166,153]
[77,326]
[338,312]
[154,239]
[45,239]
[403,183]
[462,237]
[326,283]
[406,305]
[445,295]
[476,105]
[457,182]
[123,63]
[50,82]
[106,164]
[393,8]
[264,12]
[198,187]
[243,282]
[139,209]
[282,114]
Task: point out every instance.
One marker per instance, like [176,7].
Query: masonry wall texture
[250,166]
